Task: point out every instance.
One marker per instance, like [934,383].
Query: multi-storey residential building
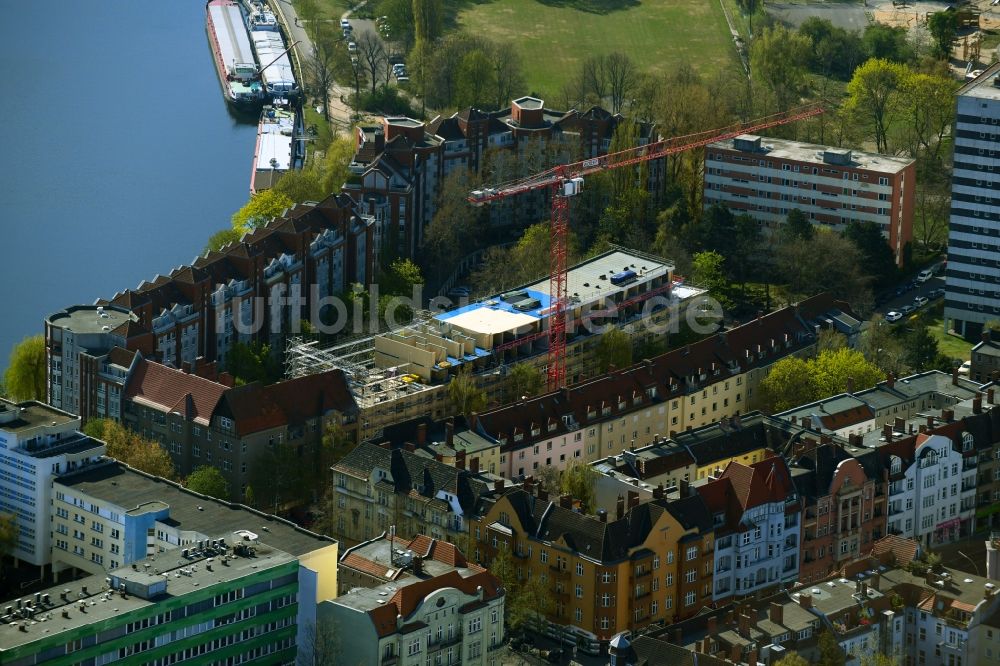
[111,515]
[932,486]
[985,359]
[244,292]
[400,164]
[649,562]
[845,508]
[386,559]
[202,422]
[234,600]
[706,382]
[375,488]
[972,283]
[756,514]
[767,177]
[452,617]
[37,444]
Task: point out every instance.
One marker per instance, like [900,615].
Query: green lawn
[554,36]
[949,345]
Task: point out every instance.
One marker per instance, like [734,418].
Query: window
[689,599]
[579,569]
[690,575]
[692,553]
[475,624]
[413,647]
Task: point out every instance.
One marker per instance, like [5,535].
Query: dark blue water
[118,156]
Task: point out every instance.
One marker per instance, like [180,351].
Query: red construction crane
[566,180]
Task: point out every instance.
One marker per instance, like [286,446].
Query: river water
[118,155]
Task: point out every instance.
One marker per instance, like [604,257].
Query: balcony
[559,571]
[389,661]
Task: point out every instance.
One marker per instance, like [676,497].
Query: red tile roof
[409,597]
[175,391]
[904,550]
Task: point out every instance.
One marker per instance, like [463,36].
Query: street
[897,302]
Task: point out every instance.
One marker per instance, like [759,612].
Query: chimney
[460,459]
[712,624]
[620,507]
[408,445]
[930,422]
[752,657]
[633,499]
[566,501]
[474,465]
[850,384]
[954,376]
[805,600]
[735,654]
[473,420]
[890,380]
[684,487]
[977,403]
[678,636]
[989,396]
[985,336]
[498,485]
[744,625]
[706,645]
[449,431]
[658,492]
[602,515]
[923,428]
[825,438]
[899,424]
[543,493]
[887,432]
[775,612]
[421,434]
[948,415]
[528,482]
[729,617]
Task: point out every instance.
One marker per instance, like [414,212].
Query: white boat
[277,73]
[279,145]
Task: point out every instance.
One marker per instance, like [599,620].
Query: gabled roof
[172,390]
[903,550]
[408,598]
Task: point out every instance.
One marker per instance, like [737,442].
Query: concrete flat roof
[90,318]
[982,86]
[490,319]
[31,414]
[813,154]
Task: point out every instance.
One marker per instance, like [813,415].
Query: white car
[893,316]
[352,47]
[963,370]
[345,24]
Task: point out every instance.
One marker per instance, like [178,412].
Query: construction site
[403,374]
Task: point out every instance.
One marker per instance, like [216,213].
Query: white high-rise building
[37,443]
[972,281]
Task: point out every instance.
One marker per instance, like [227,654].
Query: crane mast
[566,181]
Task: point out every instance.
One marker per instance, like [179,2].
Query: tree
[829,340]
[261,209]
[614,349]
[475,86]
[465,394]
[209,481]
[132,449]
[881,346]
[830,652]
[8,534]
[508,73]
[876,255]
[797,226]
[707,271]
[321,66]
[922,352]
[929,104]
[523,380]
[580,481]
[252,362]
[25,375]
[832,371]
[807,266]
[886,42]
[622,75]
[221,238]
[531,604]
[789,383]
[281,476]
[372,55]
[778,58]
[792,659]
[321,644]
[943,27]
[338,156]
[400,278]
[879,659]
[874,94]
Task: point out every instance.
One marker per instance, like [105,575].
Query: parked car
[403,79]
[893,316]
[907,310]
[964,369]
[935,293]
[925,275]
[459,292]
[345,24]
[352,47]
[554,656]
[920,301]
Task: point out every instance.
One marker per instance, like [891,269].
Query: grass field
[555,36]
[949,345]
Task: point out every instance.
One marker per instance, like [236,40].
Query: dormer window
[606,410]
[591,412]
[552,426]
[621,404]
[535,430]
[518,436]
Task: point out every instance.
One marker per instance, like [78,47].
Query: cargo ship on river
[280,144]
[234,58]
[273,62]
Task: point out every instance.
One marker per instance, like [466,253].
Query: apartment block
[756,513]
[234,600]
[111,515]
[37,444]
[767,177]
[387,559]
[400,164]
[972,282]
[202,422]
[646,563]
[985,359]
[244,292]
[375,488]
[452,617]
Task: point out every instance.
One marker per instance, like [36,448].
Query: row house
[199,311]
[706,382]
[376,488]
[756,514]
[400,164]
[845,506]
[203,422]
[767,177]
[647,563]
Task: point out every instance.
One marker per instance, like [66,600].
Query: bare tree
[508,77]
[372,55]
[594,77]
[622,76]
[320,68]
[321,643]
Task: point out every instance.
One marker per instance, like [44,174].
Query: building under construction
[402,374]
